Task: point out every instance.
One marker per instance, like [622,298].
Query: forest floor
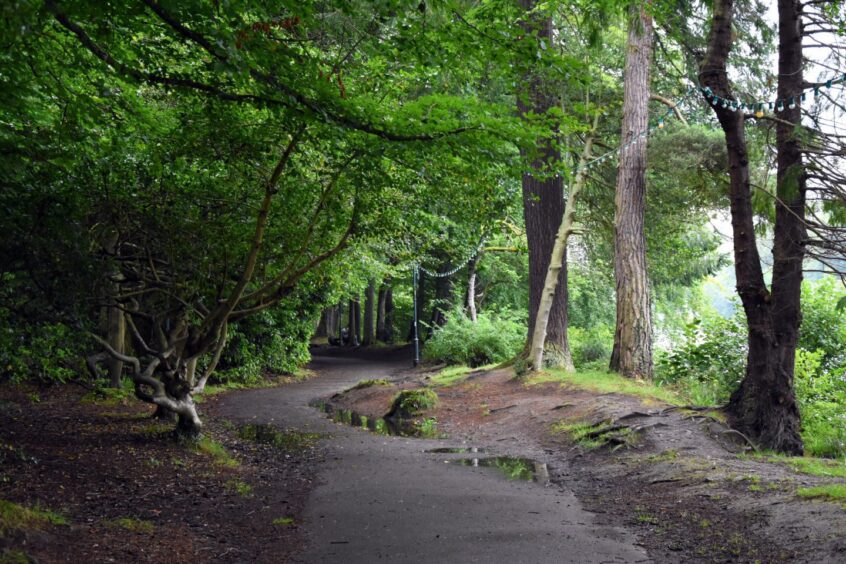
[276,480]
[88,478]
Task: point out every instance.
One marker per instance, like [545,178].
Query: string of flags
[758,107]
[778,105]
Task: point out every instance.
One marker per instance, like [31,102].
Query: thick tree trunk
[764,406]
[556,261]
[388,335]
[632,352]
[369,303]
[117,339]
[543,202]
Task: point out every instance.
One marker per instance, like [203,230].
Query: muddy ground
[690,488]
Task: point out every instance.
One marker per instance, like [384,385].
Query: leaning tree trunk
[764,406]
[632,352]
[556,261]
[369,304]
[543,202]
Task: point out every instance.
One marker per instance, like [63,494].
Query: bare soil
[689,486]
[131,493]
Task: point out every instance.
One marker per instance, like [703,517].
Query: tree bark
[388,335]
[369,303]
[556,260]
[421,298]
[632,352]
[380,311]
[442,302]
[470,300]
[354,318]
[764,406]
[543,200]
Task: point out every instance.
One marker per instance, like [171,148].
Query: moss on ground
[14,517]
[130,524]
[605,383]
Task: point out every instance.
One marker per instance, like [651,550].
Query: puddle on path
[518,469]
[455,450]
[286,439]
[427,429]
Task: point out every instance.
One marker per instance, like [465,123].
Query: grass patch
[130,524]
[593,436]
[817,466]
[14,517]
[284,521]
[831,492]
[10,556]
[219,454]
[452,375]
[666,456]
[369,384]
[606,383]
[110,397]
[241,488]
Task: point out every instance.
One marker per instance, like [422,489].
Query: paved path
[384,498]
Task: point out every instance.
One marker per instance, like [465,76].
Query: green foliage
[271,342]
[217,451]
[710,362]
[591,347]
[493,338]
[43,352]
[823,325]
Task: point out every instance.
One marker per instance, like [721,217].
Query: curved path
[384,498]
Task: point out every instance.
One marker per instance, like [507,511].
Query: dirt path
[384,498]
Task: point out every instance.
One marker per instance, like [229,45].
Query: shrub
[710,362]
[591,348]
[493,338]
[822,403]
[45,352]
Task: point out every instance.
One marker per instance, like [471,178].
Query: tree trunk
[421,298]
[322,329]
[369,302]
[764,406]
[543,201]
[632,352]
[117,339]
[380,311]
[388,335]
[470,300]
[443,301]
[556,260]
[353,321]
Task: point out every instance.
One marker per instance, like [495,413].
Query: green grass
[452,375]
[10,556]
[591,436]
[284,521]
[831,492]
[241,488]
[219,454]
[817,466]
[131,524]
[606,382]
[370,383]
[666,456]
[412,402]
[14,517]
[110,397]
